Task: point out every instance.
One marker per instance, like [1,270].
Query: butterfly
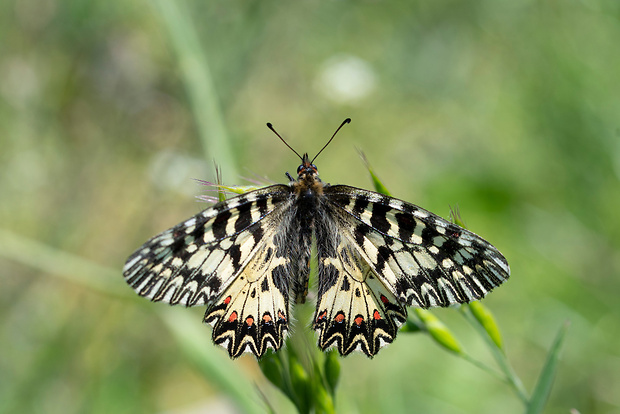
[247,258]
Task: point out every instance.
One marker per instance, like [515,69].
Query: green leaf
[324,403]
[438,331]
[486,319]
[332,370]
[547,375]
[375,180]
[301,385]
[273,370]
[411,326]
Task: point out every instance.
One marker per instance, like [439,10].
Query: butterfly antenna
[346,121]
[285,143]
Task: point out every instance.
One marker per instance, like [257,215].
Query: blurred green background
[108,109]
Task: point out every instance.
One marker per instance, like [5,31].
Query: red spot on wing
[266,318]
[232,317]
[384,300]
[281,316]
[249,321]
[358,320]
[376,315]
[227,300]
[339,318]
[321,316]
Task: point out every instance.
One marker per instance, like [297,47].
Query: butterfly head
[308,184]
[307,170]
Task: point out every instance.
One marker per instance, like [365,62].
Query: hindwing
[355,311]
[251,314]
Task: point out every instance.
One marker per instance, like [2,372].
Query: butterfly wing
[225,257]
[355,311]
[401,255]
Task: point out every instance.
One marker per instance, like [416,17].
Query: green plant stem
[483,367]
[510,376]
[199,84]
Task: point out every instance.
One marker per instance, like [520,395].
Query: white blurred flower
[346,79]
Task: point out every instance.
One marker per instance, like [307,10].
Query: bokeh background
[109,108]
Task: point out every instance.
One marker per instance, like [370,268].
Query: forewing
[423,259]
[224,257]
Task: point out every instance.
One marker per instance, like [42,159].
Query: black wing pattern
[229,257]
[387,254]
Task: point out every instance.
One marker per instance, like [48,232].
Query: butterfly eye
[301,167]
[313,167]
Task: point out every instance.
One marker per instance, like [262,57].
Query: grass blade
[379,187]
[199,84]
[40,256]
[547,375]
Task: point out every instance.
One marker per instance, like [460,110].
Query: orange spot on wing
[376,315]
[266,318]
[321,316]
[359,320]
[227,300]
[281,316]
[232,317]
[339,317]
[249,321]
